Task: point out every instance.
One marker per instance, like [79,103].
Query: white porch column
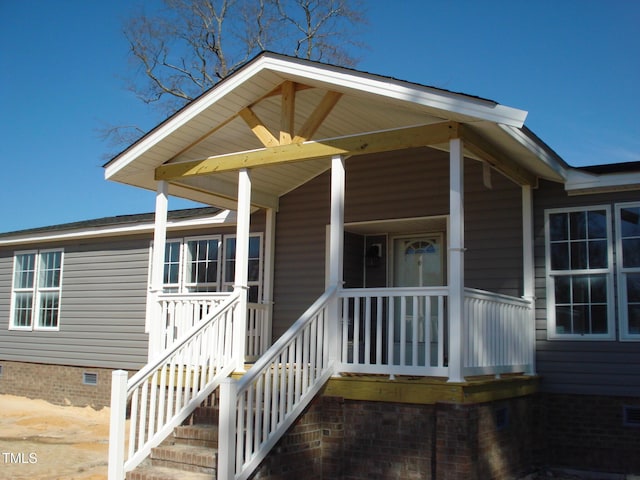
[153,323]
[242,265]
[269,269]
[336,229]
[456,261]
[528,267]
[336,250]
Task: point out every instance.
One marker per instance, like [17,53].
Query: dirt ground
[41,441]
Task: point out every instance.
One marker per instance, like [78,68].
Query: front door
[418,261]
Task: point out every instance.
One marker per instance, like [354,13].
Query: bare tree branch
[192,44]
[188,46]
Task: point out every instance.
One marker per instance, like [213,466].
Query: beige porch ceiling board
[227,107]
[353,116]
[226,187]
[252,90]
[282,179]
[232,137]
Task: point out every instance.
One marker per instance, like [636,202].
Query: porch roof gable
[276,101]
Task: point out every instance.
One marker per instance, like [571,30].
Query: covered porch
[417,319]
[272,128]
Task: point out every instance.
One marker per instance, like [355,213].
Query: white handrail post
[456,261]
[117,424]
[227,429]
[153,323]
[242,267]
[336,252]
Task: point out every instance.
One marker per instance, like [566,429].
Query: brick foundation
[587,432]
[57,384]
[357,440]
[298,455]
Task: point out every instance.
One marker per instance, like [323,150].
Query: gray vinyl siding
[583,367]
[102,307]
[395,185]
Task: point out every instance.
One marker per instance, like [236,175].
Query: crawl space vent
[631,416]
[90,378]
[502,418]
[0,370]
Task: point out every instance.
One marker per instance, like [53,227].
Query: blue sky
[574,65]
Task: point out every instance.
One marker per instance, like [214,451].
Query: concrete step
[150,472]
[189,458]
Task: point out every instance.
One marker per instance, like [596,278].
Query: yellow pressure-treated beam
[287,112]
[375,142]
[477,145]
[258,128]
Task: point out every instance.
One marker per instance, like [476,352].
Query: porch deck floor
[430,390]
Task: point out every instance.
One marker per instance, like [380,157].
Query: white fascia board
[182,117]
[224,218]
[400,90]
[551,161]
[583,183]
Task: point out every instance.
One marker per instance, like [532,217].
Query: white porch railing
[500,333]
[169,388]
[394,331]
[259,408]
[403,331]
[180,312]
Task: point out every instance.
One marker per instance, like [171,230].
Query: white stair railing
[168,389]
[259,408]
[258,330]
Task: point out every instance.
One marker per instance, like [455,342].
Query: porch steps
[190,453]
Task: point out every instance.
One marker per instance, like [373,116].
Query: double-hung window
[192,264]
[580,274]
[202,264]
[628,262]
[207,264]
[37,283]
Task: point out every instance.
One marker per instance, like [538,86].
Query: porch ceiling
[277,103]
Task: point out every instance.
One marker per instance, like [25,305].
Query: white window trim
[550,275]
[177,286]
[621,273]
[14,291]
[186,286]
[35,291]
